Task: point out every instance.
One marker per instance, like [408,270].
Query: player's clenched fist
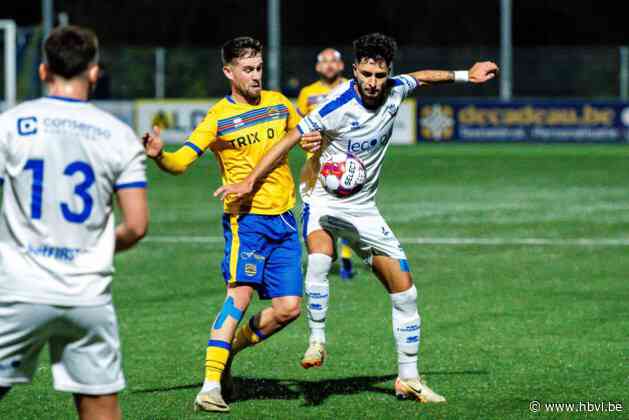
[482,72]
[153,144]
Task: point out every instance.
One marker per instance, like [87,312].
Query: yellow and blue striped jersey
[314,94]
[239,135]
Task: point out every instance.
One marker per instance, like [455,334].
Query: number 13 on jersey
[81,190]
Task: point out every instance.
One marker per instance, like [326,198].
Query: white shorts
[364,229]
[83,343]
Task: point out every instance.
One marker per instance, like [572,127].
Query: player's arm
[135,217]
[176,162]
[269,160]
[478,73]
[310,142]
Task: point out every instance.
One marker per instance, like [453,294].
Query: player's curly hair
[240,47]
[375,46]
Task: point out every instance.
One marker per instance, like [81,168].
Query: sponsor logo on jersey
[59,253]
[251,270]
[364,146]
[66,126]
[249,255]
[27,126]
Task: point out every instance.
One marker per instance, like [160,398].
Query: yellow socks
[246,336]
[216,358]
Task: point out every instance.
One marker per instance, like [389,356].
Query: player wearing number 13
[61,161]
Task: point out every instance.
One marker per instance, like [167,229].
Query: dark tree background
[421,22]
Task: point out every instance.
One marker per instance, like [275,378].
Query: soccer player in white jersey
[62,161]
[358,119]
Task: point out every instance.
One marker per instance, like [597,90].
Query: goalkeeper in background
[330,68]
[262,248]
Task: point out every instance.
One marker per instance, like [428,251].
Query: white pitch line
[600,242]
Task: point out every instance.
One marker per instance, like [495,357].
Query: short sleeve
[302,103]
[312,122]
[293,117]
[133,169]
[204,135]
[405,83]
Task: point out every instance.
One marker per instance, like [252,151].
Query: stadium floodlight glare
[9,29]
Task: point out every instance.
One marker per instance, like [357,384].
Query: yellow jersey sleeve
[204,135]
[302,102]
[293,117]
[201,138]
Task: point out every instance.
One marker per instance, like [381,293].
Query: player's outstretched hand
[152,142]
[311,142]
[482,72]
[239,189]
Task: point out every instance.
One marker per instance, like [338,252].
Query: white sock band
[406,330]
[318,294]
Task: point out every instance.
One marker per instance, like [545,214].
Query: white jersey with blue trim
[351,128]
[61,160]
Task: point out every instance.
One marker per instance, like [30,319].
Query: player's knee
[405,302]
[241,295]
[318,268]
[99,407]
[287,312]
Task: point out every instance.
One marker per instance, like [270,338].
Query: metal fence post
[506,51]
[624,73]
[160,72]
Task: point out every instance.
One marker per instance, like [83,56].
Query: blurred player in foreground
[262,248]
[359,119]
[62,161]
[330,67]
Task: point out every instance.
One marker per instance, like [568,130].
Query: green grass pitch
[502,324]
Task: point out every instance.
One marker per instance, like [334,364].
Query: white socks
[210,385]
[317,292]
[406,330]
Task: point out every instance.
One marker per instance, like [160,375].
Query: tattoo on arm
[432,77]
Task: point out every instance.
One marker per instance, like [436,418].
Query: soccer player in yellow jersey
[330,68]
[262,249]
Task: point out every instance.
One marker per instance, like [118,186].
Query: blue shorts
[263,251]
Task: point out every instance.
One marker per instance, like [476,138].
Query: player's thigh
[391,273]
[246,249]
[317,240]
[282,271]
[85,354]
[23,333]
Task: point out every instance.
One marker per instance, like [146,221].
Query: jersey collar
[66,99]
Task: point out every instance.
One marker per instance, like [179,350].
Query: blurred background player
[62,160]
[371,98]
[262,248]
[330,68]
